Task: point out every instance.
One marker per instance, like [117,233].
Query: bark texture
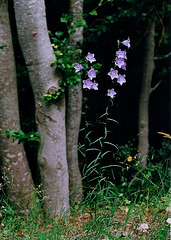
[36,47]
[74,109]
[148,68]
[14,164]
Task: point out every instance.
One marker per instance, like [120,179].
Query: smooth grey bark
[38,54]
[13,160]
[74,109]
[148,68]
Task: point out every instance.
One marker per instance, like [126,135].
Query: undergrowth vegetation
[136,208]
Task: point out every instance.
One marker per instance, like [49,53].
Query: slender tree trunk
[74,109]
[13,160]
[38,54]
[148,68]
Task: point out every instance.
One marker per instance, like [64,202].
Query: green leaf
[53,63]
[93,13]
[109,143]
[59,34]
[2,47]
[100,3]
[65,18]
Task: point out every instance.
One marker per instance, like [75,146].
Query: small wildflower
[78,67]
[92,73]
[121,54]
[2,224]
[90,57]
[113,73]
[87,83]
[127,168]
[0,215]
[94,86]
[120,62]
[135,157]
[126,43]
[168,220]
[143,227]
[121,79]
[129,159]
[39,186]
[111,93]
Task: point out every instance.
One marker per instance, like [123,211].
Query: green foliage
[51,97]
[23,137]
[2,47]
[106,212]
[161,154]
[65,54]
[64,64]
[93,13]
[79,22]
[154,177]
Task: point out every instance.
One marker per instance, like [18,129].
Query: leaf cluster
[21,136]
[64,64]
[72,25]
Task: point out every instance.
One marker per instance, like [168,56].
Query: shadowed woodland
[85,119]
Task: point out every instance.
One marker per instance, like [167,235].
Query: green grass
[104,221]
[108,221]
[107,212]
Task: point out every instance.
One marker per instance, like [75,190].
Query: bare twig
[163,57]
[156,86]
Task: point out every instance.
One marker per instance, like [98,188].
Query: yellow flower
[129,159]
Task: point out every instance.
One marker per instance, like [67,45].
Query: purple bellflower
[124,66]
[92,73]
[87,83]
[111,93]
[94,86]
[78,67]
[113,73]
[90,57]
[126,43]
[120,62]
[121,79]
[121,54]
[90,85]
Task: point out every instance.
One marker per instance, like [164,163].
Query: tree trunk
[38,54]
[74,109]
[148,68]
[13,160]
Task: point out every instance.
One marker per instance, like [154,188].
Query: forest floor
[101,222]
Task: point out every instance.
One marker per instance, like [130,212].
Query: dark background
[114,21]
